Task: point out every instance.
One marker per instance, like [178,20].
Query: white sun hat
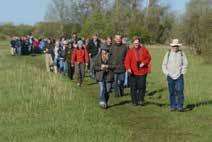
[175,42]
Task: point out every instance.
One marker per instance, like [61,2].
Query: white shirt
[175,65]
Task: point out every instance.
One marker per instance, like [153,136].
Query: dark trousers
[137,88]
[71,71]
[80,72]
[176,95]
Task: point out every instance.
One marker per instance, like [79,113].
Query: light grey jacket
[174,64]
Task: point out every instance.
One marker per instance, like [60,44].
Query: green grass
[39,107]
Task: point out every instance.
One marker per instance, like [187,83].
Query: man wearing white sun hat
[174,66]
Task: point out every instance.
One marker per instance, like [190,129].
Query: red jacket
[80,56]
[141,54]
[36,44]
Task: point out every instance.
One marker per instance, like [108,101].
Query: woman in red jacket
[137,63]
[80,59]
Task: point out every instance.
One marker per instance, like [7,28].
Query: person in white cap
[175,66]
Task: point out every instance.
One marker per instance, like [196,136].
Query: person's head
[65,43]
[74,35]
[125,40]
[80,44]
[118,39]
[70,45]
[94,37]
[136,42]
[57,43]
[49,41]
[62,38]
[175,45]
[109,41]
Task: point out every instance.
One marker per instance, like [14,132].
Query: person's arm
[97,65]
[164,64]
[86,56]
[128,61]
[185,64]
[147,57]
[73,57]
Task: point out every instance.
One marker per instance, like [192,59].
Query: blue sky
[32,11]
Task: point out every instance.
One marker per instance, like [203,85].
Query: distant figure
[93,49]
[56,56]
[174,66]
[137,63]
[62,56]
[48,49]
[80,60]
[69,52]
[13,46]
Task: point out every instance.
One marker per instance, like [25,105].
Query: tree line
[155,22]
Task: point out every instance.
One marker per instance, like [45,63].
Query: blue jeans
[119,84]
[176,95]
[18,51]
[104,90]
[126,79]
[62,65]
[92,71]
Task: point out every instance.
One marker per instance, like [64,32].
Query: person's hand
[129,70]
[86,66]
[102,66]
[141,65]
[106,66]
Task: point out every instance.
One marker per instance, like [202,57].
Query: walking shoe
[173,109]
[103,105]
[181,110]
[135,104]
[141,103]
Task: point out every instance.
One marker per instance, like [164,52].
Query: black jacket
[94,49]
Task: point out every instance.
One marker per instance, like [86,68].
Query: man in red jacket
[137,63]
[81,58]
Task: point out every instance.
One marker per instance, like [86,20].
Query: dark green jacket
[119,53]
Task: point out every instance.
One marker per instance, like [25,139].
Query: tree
[197,31]
[158,20]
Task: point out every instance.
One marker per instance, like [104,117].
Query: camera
[138,64]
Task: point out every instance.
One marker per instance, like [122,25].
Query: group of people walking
[113,62]
[26,45]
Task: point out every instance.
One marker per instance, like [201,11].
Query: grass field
[39,107]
